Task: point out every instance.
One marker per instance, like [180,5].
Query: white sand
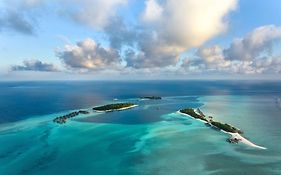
[191,117]
[120,109]
[233,135]
[244,140]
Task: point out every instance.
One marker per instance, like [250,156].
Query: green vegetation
[64,118]
[152,97]
[193,114]
[111,107]
[200,112]
[226,127]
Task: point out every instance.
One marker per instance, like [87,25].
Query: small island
[198,114]
[63,119]
[226,127]
[114,107]
[234,132]
[152,97]
[192,113]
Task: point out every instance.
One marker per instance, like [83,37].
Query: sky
[135,39]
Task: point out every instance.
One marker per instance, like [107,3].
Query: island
[114,107]
[234,132]
[106,108]
[63,119]
[151,97]
[192,113]
[198,114]
[226,127]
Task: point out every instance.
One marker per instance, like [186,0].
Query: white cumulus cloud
[174,26]
[190,23]
[89,55]
[93,13]
[153,11]
[249,55]
[254,44]
[35,65]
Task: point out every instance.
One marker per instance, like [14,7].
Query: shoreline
[233,135]
[120,109]
[191,116]
[245,141]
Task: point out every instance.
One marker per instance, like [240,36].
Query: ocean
[150,139]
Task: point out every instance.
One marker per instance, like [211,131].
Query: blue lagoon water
[149,139]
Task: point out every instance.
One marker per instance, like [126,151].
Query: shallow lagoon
[150,139]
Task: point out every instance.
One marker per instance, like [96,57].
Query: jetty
[63,119]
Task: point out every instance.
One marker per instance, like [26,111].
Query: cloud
[174,26]
[254,44]
[268,64]
[248,55]
[153,11]
[119,34]
[89,55]
[35,65]
[16,21]
[166,30]
[93,13]
[149,54]
[213,57]
[190,23]
[17,15]
[33,3]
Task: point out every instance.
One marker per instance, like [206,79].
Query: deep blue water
[20,100]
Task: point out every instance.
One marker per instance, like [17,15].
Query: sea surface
[150,139]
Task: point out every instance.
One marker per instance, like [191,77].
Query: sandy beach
[191,117]
[121,109]
[233,135]
[244,140]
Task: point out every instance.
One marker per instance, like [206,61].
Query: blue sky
[131,39]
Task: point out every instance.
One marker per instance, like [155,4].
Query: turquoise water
[149,139]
